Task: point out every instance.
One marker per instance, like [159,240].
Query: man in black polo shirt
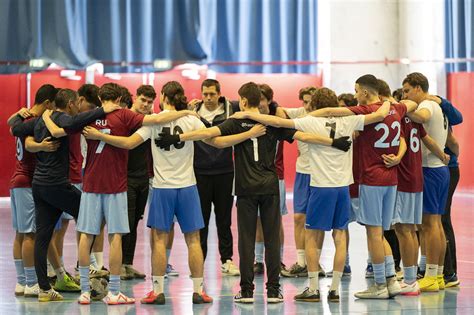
[256,186]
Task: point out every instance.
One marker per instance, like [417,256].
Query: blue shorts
[97,207]
[65,215]
[328,208]
[184,203]
[377,205]
[23,210]
[435,189]
[408,208]
[282,187]
[355,206]
[301,192]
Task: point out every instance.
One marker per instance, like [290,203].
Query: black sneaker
[420,274]
[308,296]
[258,268]
[295,271]
[451,281]
[245,297]
[333,297]
[274,296]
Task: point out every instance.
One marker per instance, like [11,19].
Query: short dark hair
[251,92]
[63,98]
[211,82]
[110,92]
[398,94]
[309,90]
[417,79]
[175,94]
[146,90]
[266,91]
[126,97]
[384,89]
[369,82]
[348,99]
[324,97]
[91,93]
[46,92]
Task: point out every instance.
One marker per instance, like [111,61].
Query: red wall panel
[461,94]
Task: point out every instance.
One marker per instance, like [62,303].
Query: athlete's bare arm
[431,145]
[268,120]
[228,141]
[47,145]
[128,143]
[167,117]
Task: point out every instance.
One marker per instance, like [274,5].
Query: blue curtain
[128,35]
[460,33]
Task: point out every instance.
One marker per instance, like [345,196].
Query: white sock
[158,284]
[301,257]
[99,258]
[197,285]
[60,273]
[336,280]
[313,278]
[431,270]
[440,270]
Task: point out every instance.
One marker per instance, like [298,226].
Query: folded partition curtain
[460,33]
[128,35]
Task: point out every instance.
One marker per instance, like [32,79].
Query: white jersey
[329,166]
[437,128]
[302,162]
[173,166]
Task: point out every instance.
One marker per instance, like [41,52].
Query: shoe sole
[202,302]
[274,300]
[416,293]
[48,300]
[245,301]
[452,284]
[19,293]
[308,300]
[154,302]
[334,300]
[84,303]
[377,297]
[140,276]
[30,295]
[298,275]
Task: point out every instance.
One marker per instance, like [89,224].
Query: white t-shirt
[302,162]
[329,166]
[437,128]
[173,167]
[210,115]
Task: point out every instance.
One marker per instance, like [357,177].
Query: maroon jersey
[280,167]
[75,158]
[410,170]
[24,166]
[354,188]
[106,165]
[377,139]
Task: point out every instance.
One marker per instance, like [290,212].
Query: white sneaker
[84,298]
[19,289]
[229,268]
[32,291]
[120,298]
[377,291]
[393,287]
[410,289]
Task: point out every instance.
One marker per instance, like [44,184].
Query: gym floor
[178,290]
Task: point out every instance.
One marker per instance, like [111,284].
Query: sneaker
[170,271]
[393,287]
[201,298]
[274,296]
[410,289]
[229,268]
[153,298]
[369,271]
[84,298]
[50,295]
[308,295]
[420,273]
[134,272]
[333,296]
[19,289]
[116,299]
[258,268]
[376,291]
[347,272]
[428,284]
[295,271]
[66,284]
[245,297]
[450,281]
[94,273]
[125,274]
[32,291]
[441,283]
[321,273]
[75,279]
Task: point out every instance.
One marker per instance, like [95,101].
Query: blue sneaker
[369,271]
[347,271]
[170,271]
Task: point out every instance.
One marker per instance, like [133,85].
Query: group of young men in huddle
[399,169]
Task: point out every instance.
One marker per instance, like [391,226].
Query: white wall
[378,30]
